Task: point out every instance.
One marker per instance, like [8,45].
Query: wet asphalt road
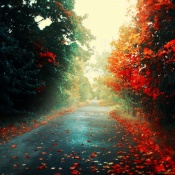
[86,141]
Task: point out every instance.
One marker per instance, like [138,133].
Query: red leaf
[13,146]
[160,168]
[75,172]
[77,157]
[93,154]
[44,166]
[76,164]
[27,156]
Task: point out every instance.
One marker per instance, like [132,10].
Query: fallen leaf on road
[15,165]
[27,156]
[76,164]
[77,157]
[44,166]
[14,146]
[75,172]
[93,154]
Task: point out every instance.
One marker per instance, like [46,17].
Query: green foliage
[102,91]
[16,75]
[37,65]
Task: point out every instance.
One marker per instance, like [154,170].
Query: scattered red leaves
[74,166]
[11,131]
[153,154]
[93,169]
[117,168]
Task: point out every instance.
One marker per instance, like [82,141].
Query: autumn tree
[124,63]
[156,23]
[142,61]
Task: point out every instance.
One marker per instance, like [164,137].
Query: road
[87,141]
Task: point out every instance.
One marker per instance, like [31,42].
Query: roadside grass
[12,128]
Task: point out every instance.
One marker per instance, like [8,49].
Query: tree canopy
[36,64]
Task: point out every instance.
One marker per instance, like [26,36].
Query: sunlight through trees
[38,66]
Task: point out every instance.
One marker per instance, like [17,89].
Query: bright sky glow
[42,23]
[104,20]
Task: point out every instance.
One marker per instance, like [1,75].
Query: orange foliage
[129,59]
[66,12]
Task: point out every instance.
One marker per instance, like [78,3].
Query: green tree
[43,57]
[17,82]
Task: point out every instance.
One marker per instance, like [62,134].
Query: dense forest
[42,69]
[141,65]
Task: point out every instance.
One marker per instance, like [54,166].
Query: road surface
[87,141]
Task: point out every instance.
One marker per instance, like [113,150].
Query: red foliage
[143,68]
[158,157]
[49,57]
[41,88]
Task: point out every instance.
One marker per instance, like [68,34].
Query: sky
[104,20]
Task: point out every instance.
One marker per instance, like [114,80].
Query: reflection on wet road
[87,141]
